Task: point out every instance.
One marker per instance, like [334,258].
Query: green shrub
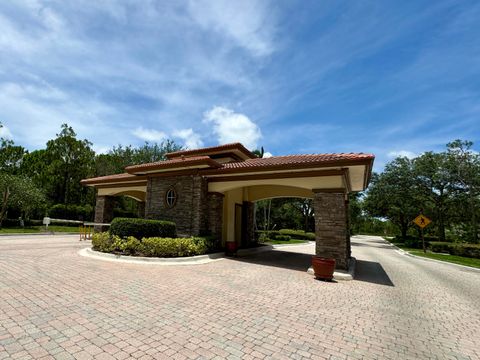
[153,246]
[263,237]
[459,249]
[173,247]
[281,237]
[211,242]
[141,228]
[103,242]
[298,234]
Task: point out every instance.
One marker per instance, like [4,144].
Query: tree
[259,152]
[19,192]
[11,155]
[433,180]
[393,194]
[120,157]
[464,167]
[69,161]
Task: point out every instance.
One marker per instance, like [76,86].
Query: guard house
[212,191]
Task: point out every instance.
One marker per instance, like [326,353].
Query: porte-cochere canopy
[214,189]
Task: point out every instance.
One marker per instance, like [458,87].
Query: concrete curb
[342,274]
[190,260]
[403,252]
[279,246]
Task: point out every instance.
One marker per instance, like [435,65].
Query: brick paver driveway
[57,304]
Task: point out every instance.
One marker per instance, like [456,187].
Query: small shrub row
[142,228]
[414,242]
[298,234]
[264,236]
[152,246]
[459,249]
[282,237]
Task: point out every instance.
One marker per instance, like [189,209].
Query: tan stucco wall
[309,183]
[232,197]
[136,192]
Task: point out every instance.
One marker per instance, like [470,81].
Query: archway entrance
[214,183]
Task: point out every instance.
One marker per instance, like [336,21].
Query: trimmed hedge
[141,228]
[293,234]
[151,247]
[282,237]
[414,241]
[466,250]
[298,234]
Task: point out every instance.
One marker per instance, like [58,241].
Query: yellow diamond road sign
[422,221]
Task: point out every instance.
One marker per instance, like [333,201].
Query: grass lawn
[443,257]
[292,241]
[39,229]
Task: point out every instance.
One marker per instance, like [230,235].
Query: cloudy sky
[385,77]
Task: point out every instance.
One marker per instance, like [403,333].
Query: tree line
[444,186]
[34,183]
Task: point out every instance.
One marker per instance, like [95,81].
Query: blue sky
[385,77]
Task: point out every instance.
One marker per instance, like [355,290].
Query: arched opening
[119,202]
[239,211]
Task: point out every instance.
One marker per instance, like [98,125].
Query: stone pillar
[331,227]
[248,226]
[141,209]
[199,206]
[215,215]
[103,211]
[347,217]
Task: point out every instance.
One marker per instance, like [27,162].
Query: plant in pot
[323,268]
[230,248]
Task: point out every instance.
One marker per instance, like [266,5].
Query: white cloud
[267,154]
[244,22]
[230,126]
[5,132]
[101,149]
[402,153]
[149,134]
[191,139]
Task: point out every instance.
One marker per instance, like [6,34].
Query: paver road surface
[55,304]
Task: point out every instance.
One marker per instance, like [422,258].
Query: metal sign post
[422,221]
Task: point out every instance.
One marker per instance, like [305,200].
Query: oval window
[170,197]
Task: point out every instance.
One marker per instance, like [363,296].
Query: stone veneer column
[199,205]
[141,209]
[248,227]
[347,217]
[103,211]
[215,215]
[331,234]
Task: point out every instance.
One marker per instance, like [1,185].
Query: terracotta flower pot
[323,267]
[231,248]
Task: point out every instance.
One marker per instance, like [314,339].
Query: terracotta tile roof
[212,149]
[180,162]
[296,161]
[208,166]
[112,178]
